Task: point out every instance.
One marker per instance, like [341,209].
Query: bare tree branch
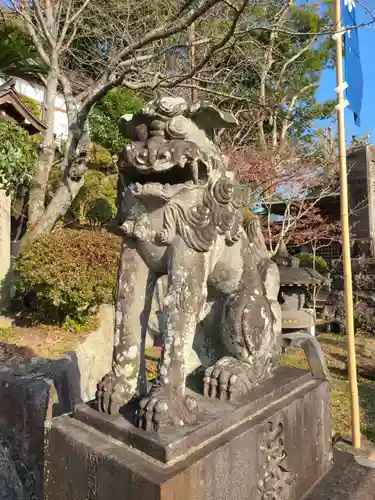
[42,22]
[70,20]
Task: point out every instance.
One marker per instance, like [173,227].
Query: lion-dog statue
[182,218]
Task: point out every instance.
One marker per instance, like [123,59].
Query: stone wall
[30,395]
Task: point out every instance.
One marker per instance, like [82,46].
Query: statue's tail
[253,230]
[268,270]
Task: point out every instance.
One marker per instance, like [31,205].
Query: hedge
[307,260]
[70,272]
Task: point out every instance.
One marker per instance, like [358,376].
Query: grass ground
[334,347]
[19,344]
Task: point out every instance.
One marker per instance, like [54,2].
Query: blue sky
[328,84]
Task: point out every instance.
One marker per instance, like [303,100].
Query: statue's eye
[141,132]
[178,127]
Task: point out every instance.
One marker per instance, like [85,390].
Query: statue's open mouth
[166,183]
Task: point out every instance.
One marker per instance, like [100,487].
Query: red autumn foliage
[251,165]
[303,220]
[313,226]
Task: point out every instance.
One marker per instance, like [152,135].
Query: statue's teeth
[194,171]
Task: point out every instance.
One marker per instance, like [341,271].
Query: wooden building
[12,109]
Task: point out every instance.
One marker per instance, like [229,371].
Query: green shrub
[307,260]
[31,104]
[17,157]
[100,211]
[97,185]
[105,114]
[71,273]
[99,157]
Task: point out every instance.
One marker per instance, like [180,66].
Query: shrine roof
[12,107]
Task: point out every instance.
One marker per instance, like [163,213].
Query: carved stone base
[273,444]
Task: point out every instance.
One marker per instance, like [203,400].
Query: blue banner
[353,67]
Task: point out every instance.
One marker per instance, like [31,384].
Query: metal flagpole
[352,368]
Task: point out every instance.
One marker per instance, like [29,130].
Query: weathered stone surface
[274,443]
[155,323]
[32,394]
[25,404]
[94,355]
[11,487]
[181,217]
[346,481]
[239,430]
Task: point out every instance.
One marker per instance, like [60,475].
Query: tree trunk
[39,185]
[58,206]
[70,185]
[262,100]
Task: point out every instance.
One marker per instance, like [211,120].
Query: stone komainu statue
[182,218]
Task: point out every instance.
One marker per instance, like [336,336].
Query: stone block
[347,480]
[32,394]
[11,487]
[94,355]
[273,443]
[25,404]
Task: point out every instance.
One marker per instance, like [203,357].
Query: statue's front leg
[167,403]
[134,297]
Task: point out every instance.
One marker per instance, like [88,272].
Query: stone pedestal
[274,443]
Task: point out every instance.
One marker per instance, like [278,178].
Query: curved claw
[162,408]
[111,394]
[227,379]
[313,352]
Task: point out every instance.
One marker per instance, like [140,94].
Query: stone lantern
[295,281]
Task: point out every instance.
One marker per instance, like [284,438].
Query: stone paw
[227,379]
[162,408]
[112,393]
